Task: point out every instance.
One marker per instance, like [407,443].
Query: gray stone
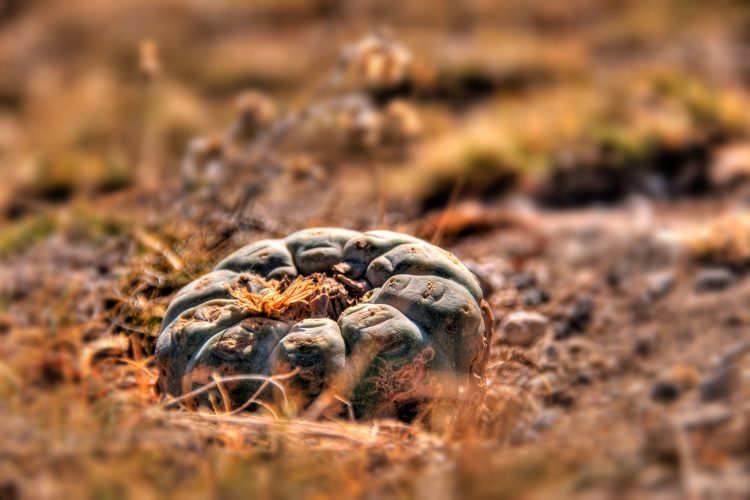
[714,280]
[545,420]
[735,353]
[720,386]
[644,345]
[524,280]
[579,314]
[665,391]
[551,353]
[707,417]
[522,328]
[483,275]
[660,284]
[534,297]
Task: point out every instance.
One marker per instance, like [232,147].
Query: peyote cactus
[387,322]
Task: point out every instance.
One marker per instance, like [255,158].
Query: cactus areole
[374,325]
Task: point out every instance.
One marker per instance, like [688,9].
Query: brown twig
[380,197]
[448,209]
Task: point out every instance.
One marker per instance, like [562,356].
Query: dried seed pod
[385,321]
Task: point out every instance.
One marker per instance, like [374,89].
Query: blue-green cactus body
[360,251]
[318,250]
[313,349]
[267,258]
[388,320]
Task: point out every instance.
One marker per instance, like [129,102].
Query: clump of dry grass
[85,392]
[576,127]
[273,302]
[722,240]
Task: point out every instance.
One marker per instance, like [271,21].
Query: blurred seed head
[256,112]
[730,165]
[360,124]
[380,61]
[302,167]
[401,122]
[148,61]
[203,160]
[209,148]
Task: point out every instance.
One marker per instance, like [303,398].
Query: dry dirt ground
[638,385]
[637,389]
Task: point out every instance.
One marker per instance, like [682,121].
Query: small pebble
[665,392]
[580,313]
[714,280]
[709,416]
[735,353]
[551,352]
[559,398]
[660,284]
[522,328]
[562,330]
[535,297]
[644,346]
[524,280]
[483,277]
[737,319]
[531,436]
[545,420]
[720,386]
[614,276]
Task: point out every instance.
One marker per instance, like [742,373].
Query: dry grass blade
[105,346]
[236,378]
[224,393]
[380,432]
[380,194]
[265,384]
[457,187]
[140,366]
[153,243]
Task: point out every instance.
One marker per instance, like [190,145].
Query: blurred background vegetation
[509,94]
